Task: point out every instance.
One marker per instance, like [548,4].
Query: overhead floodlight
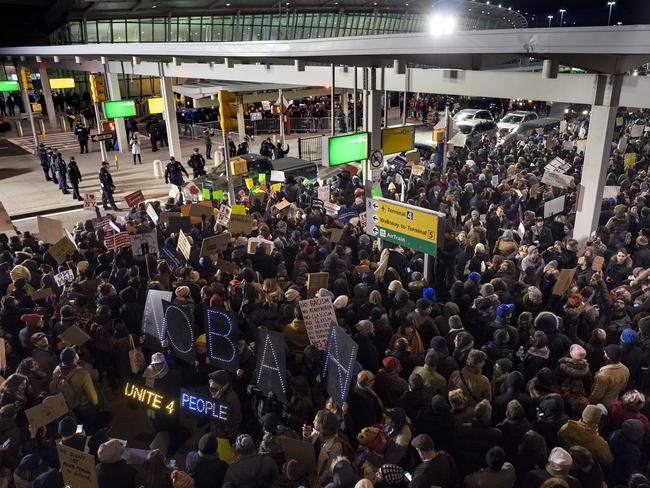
[442,24]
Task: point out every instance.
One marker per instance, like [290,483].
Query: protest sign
[200,210]
[180,331]
[153,318]
[52,408]
[90,201]
[564,281]
[134,198]
[417,170]
[619,121]
[151,212]
[62,249]
[164,217]
[223,216]
[222,338]
[495,180]
[255,242]
[363,220]
[319,316]
[77,467]
[270,363]
[317,204]
[554,206]
[49,230]
[335,234]
[184,246]
[171,256]
[207,407]
[346,213]
[178,223]
[74,335]
[66,276]
[211,245]
[238,209]
[3,356]
[42,294]
[331,209]
[567,145]
[629,160]
[277,175]
[227,267]
[558,180]
[636,130]
[340,357]
[5,220]
[301,451]
[240,224]
[611,191]
[597,263]
[281,205]
[581,145]
[153,400]
[142,244]
[324,193]
[315,281]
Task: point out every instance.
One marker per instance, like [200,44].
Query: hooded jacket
[626,444]
[576,432]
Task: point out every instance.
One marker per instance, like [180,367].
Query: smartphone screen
[408,476]
[6,443]
[80,428]
[172,463]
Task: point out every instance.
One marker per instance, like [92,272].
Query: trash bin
[158,171]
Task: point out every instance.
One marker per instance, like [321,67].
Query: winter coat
[296,338]
[390,387]
[551,417]
[618,272]
[365,408]
[626,444]
[475,386]
[578,433]
[472,441]
[330,450]
[367,353]
[207,470]
[434,383]
[250,471]
[610,380]
[619,414]
[81,383]
[119,473]
[487,478]
[574,378]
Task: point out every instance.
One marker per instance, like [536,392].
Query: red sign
[134,198]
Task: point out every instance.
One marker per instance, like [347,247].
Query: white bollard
[218,157]
[158,169]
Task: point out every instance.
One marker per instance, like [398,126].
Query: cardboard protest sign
[281,205]
[301,451]
[197,211]
[554,206]
[3,355]
[331,209]
[204,406]
[77,467]
[611,191]
[316,281]
[64,277]
[335,234]
[319,315]
[164,217]
[134,198]
[581,145]
[177,223]
[340,357]
[324,193]
[597,263]
[636,131]
[227,267]
[5,220]
[223,216]
[52,408]
[49,230]
[42,294]
[222,338]
[255,242]
[184,246]
[90,201]
[417,170]
[211,245]
[556,179]
[153,318]
[277,175]
[240,224]
[142,244]
[62,249]
[151,212]
[629,160]
[564,281]
[270,363]
[74,335]
[179,327]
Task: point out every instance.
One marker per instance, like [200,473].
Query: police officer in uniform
[107,186]
[51,161]
[61,172]
[82,135]
[174,175]
[75,177]
[197,163]
[45,163]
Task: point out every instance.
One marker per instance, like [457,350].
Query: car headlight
[585,112]
[566,110]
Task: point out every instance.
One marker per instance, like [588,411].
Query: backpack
[61,384]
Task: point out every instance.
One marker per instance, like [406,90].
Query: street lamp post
[562,16]
[550,19]
[609,17]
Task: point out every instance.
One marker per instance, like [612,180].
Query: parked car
[527,129]
[512,120]
[473,114]
[475,130]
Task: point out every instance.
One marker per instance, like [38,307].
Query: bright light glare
[442,25]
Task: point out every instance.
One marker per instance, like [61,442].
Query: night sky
[580,12]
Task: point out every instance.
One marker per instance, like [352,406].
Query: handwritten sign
[151,212]
[254,243]
[223,216]
[316,281]
[62,249]
[184,246]
[74,335]
[277,175]
[211,245]
[240,224]
[5,220]
[319,316]
[134,198]
[151,399]
[324,193]
[564,281]
[558,180]
[52,408]
[64,277]
[554,206]
[49,230]
[90,201]
[77,467]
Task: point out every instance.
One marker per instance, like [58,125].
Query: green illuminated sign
[8,86]
[348,148]
[119,108]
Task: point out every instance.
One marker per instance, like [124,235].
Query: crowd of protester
[486,374]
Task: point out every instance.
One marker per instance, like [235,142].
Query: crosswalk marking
[64,141]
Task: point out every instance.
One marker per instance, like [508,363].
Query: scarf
[151,376]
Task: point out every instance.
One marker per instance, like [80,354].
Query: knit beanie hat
[293,470]
[591,416]
[629,336]
[67,355]
[208,444]
[291,295]
[439,344]
[559,461]
[244,444]
[364,327]
[534,295]
[110,452]
[390,363]
[474,277]
[180,479]
[431,359]
[495,458]
[429,294]
[577,352]
[455,322]
[67,426]
[183,291]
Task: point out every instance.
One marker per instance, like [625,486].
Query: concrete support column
[372,114]
[594,172]
[169,106]
[47,94]
[241,122]
[113,83]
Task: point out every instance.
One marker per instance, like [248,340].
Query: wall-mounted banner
[270,363]
[222,339]
[180,331]
[208,407]
[153,400]
[153,319]
[340,356]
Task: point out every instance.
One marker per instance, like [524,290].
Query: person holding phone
[72,434]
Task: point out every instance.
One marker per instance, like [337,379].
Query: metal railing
[310,148]
[301,125]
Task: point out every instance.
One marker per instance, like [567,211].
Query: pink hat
[577,352]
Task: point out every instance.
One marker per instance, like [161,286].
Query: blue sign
[172,257]
[207,407]
[345,214]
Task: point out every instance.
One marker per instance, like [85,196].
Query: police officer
[45,163]
[82,135]
[75,177]
[174,175]
[107,186]
[51,161]
[61,172]
[197,163]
